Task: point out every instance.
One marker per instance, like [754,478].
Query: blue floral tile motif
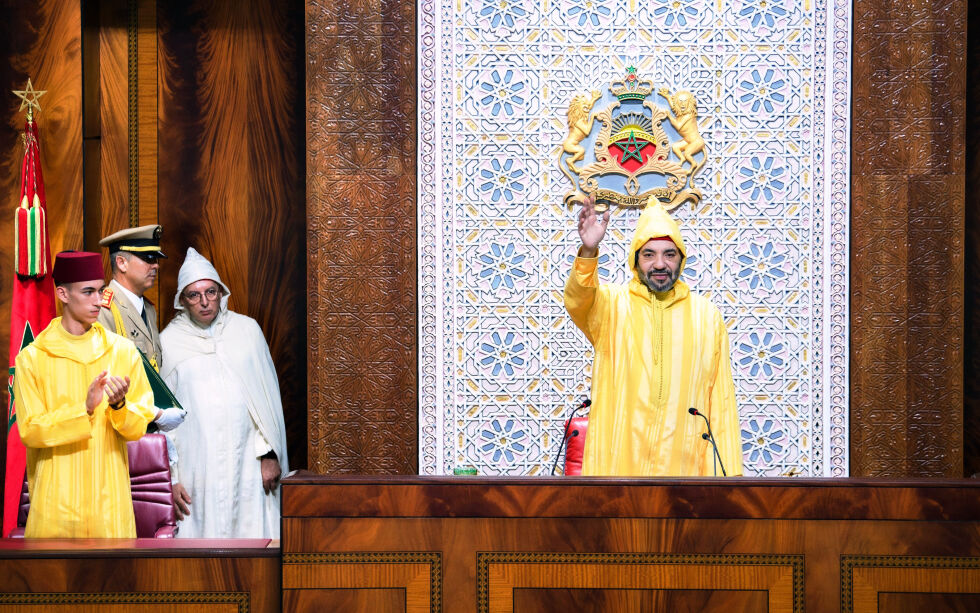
[505,440]
[761,266]
[502,267]
[501,93]
[762,354]
[762,12]
[502,354]
[762,90]
[603,263]
[762,177]
[591,11]
[674,12]
[502,180]
[761,442]
[504,12]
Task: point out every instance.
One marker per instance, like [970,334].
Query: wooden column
[907,238]
[361,236]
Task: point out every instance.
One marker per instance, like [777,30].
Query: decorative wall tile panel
[500,361]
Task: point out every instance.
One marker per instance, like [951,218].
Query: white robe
[225,378]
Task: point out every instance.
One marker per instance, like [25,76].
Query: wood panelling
[971,353]
[109,208]
[361,236]
[690,545]
[231,169]
[907,245]
[910,581]
[134,576]
[784,498]
[41,40]
[316,577]
[500,575]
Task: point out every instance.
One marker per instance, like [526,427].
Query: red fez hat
[662,238]
[75,266]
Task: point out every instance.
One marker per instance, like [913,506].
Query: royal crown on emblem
[631,87]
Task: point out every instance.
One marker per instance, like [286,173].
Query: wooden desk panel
[140,575]
[532,545]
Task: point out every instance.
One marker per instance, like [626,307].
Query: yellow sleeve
[583,297]
[131,421]
[723,411]
[42,426]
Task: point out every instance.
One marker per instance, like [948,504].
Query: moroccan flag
[32,303]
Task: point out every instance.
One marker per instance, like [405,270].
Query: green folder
[163,398]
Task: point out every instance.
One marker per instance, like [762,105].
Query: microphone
[708,436]
[564,439]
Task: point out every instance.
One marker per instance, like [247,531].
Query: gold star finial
[29,97]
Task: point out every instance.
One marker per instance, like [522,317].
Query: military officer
[134,254]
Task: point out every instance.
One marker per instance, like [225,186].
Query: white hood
[195,268]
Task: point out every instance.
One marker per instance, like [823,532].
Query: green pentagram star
[635,153]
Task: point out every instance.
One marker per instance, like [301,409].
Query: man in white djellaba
[232,444]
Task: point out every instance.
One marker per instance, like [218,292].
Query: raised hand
[591,227]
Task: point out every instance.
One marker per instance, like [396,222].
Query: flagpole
[32,300]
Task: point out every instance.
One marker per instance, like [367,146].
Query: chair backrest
[149,478]
[575,446]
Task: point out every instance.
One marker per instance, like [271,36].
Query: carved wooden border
[241,599]
[378,567]
[517,569]
[919,582]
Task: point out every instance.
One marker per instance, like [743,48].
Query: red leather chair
[575,446]
[149,477]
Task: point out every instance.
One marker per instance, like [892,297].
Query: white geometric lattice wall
[500,362]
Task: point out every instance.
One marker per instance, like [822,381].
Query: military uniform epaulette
[107,295]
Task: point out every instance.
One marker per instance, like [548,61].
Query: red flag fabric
[32,304]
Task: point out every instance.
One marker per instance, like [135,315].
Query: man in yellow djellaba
[81,394]
[660,351]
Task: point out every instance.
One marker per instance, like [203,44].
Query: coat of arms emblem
[633,156]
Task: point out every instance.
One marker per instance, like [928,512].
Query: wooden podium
[584,544]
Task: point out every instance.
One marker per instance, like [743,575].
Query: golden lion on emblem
[685,121]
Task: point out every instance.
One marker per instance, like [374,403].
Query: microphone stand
[564,439]
[708,436]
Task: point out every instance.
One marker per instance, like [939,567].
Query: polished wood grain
[702,544]
[907,239]
[137,576]
[361,236]
[41,40]
[633,599]
[505,574]
[936,581]
[707,498]
[417,576]
[971,324]
[112,202]
[230,169]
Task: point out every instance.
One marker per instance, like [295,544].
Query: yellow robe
[656,355]
[77,465]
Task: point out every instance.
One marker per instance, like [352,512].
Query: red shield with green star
[631,148]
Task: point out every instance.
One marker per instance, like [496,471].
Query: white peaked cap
[195,268]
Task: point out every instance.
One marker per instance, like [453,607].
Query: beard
[656,285]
